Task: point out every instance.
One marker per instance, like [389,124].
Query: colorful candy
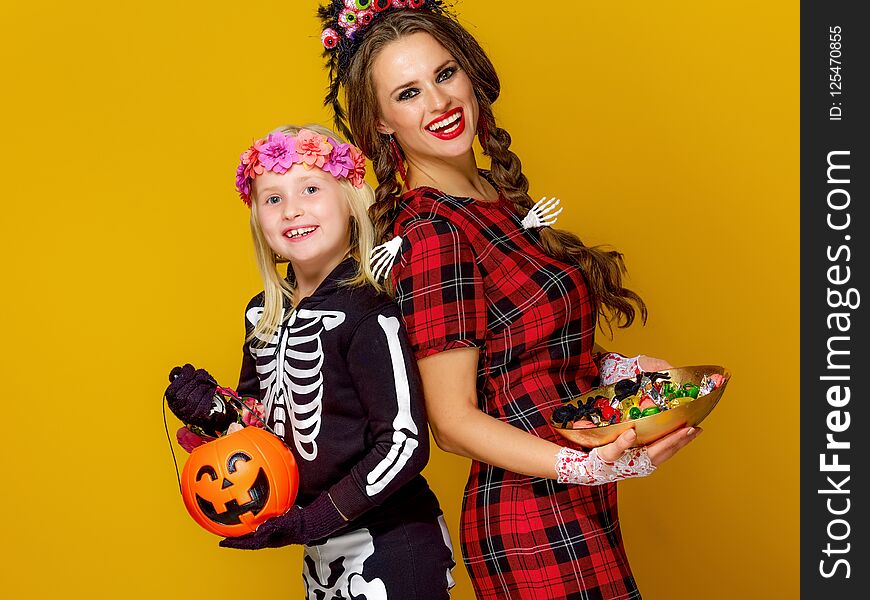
[645,395]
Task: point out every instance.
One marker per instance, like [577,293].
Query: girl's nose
[293,210]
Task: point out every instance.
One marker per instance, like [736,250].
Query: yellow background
[669,130]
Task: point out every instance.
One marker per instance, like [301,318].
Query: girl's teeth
[297,232]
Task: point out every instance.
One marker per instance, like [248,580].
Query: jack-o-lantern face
[236,482]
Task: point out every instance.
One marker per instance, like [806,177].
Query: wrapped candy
[640,396]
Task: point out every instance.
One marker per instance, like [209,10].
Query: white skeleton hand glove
[574,466]
[543,213]
[614,367]
[382,257]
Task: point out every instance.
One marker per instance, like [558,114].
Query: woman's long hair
[279,292]
[603,268]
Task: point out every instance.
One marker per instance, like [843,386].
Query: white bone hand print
[294,394]
[383,257]
[543,214]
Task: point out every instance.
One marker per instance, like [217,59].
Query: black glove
[191,398]
[297,526]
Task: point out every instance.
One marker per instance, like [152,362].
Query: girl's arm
[388,385]
[460,427]
[387,382]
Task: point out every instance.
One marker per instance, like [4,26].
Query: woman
[501,316]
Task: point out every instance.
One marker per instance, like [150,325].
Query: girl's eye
[311,189]
[408,94]
[446,74]
[273,199]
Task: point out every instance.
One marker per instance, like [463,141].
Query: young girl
[327,356]
[501,312]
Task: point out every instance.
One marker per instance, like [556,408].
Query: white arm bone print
[403,445]
[292,383]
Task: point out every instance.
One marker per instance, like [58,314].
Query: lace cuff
[574,466]
[613,367]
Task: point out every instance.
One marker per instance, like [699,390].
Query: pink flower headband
[280,151]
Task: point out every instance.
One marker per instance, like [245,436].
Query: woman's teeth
[294,233]
[451,120]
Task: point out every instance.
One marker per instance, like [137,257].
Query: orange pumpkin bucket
[232,484]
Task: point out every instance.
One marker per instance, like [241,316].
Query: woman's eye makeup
[446,74]
[442,76]
[408,94]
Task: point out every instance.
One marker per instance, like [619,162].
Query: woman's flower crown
[345,25]
[280,151]
[343,19]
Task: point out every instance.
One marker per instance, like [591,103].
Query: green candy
[650,411]
[691,389]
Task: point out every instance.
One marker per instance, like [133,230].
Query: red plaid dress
[468,275]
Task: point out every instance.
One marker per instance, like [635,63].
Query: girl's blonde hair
[279,292]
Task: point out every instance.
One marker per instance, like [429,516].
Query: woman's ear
[383,128]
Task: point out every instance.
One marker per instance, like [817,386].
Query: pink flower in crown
[249,168]
[340,163]
[278,153]
[251,160]
[243,185]
[313,149]
[358,174]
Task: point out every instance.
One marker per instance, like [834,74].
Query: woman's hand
[648,364]
[659,451]
[618,460]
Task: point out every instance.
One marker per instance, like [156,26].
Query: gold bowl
[656,426]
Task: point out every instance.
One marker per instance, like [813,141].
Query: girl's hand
[190,394]
[191,398]
[297,526]
[277,532]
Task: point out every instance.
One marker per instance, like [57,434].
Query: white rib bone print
[294,393]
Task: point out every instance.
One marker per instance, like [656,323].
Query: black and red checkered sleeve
[439,288]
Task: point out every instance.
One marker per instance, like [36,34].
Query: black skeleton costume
[339,383]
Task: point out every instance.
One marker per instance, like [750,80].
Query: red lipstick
[453,127]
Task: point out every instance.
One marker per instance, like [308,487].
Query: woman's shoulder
[428,203]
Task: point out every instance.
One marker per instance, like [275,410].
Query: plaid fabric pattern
[469,274]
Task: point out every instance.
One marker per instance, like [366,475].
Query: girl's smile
[305,217]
